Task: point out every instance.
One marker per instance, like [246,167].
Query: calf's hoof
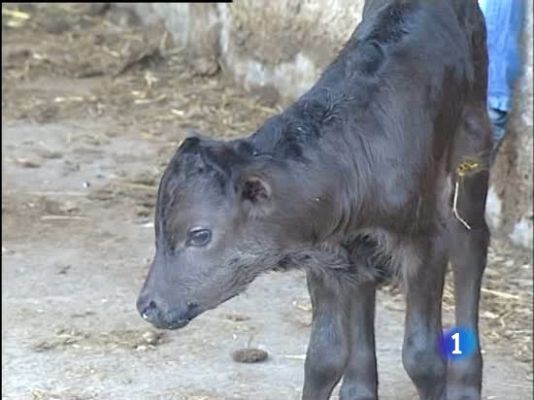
[463,393]
[356,393]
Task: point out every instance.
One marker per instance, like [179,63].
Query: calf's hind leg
[424,287]
[468,250]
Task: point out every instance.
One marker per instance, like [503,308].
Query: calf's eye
[198,237]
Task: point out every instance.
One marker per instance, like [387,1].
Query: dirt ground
[92,109]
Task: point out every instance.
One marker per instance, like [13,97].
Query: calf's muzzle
[162,316]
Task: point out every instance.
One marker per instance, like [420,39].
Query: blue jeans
[504,23]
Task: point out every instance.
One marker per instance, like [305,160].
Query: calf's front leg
[328,349]
[360,380]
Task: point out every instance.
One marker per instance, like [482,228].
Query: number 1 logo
[458,343]
[456,338]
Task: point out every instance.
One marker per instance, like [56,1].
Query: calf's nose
[147,308]
[159,314]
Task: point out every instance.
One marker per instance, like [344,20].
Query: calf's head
[217,227]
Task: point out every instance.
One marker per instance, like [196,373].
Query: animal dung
[28,163]
[249,355]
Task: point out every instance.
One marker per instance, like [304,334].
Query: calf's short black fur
[352,182]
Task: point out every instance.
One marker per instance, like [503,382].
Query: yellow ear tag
[464,168]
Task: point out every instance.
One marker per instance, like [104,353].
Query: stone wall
[510,200]
[284,46]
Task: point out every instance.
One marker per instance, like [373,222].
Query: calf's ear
[254,189]
[189,143]
[254,193]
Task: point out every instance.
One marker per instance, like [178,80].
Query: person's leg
[499,120]
[504,22]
